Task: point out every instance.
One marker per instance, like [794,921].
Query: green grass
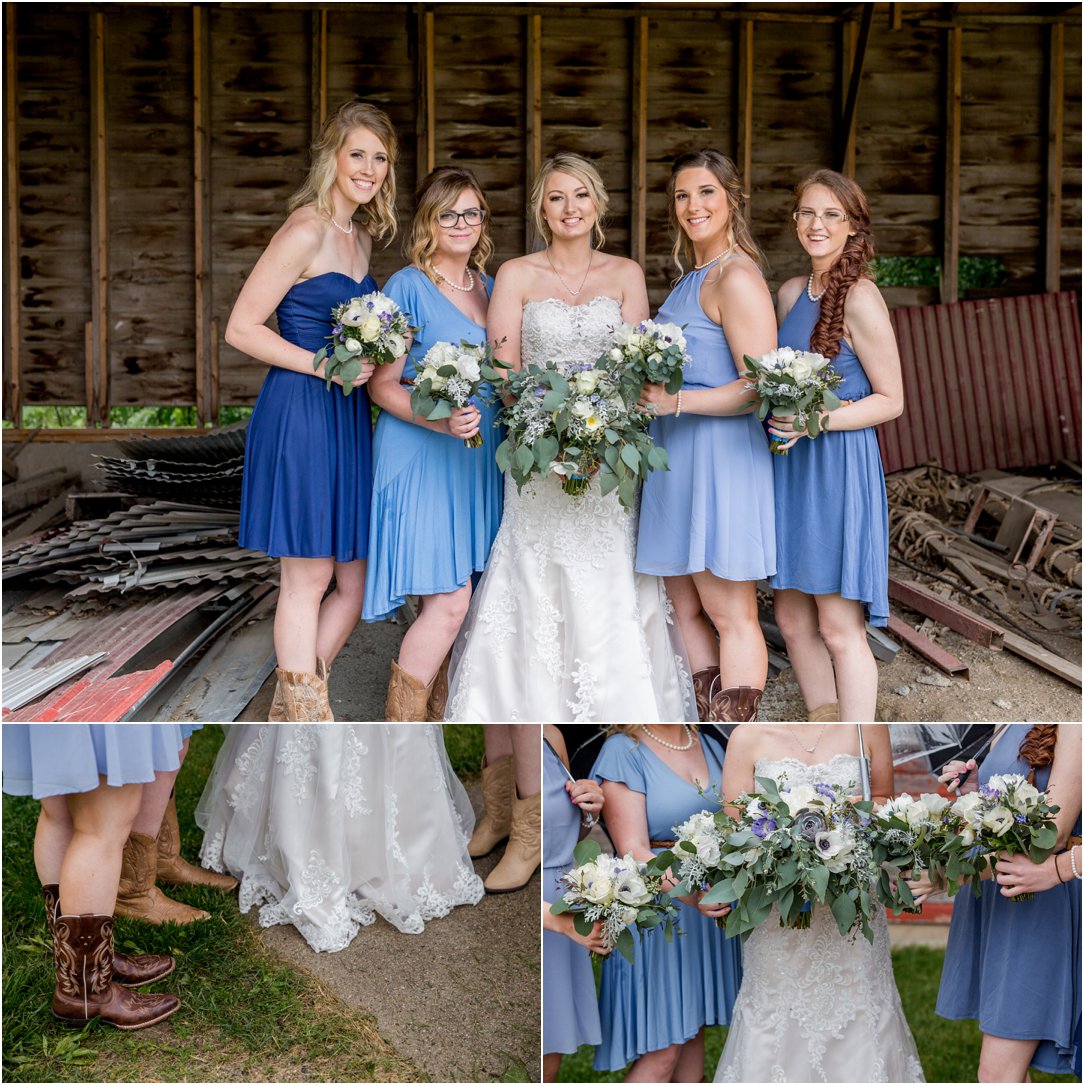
[465,746]
[949,1050]
[244,1015]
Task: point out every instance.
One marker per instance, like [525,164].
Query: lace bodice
[839,771]
[554,331]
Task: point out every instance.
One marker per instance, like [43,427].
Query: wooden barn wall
[151,150]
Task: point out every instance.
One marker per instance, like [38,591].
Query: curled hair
[853,263]
[588,176]
[1037,749]
[737,229]
[378,215]
[435,194]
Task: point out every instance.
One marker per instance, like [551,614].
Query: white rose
[654,358]
[966,805]
[801,797]
[616,354]
[935,804]
[439,382]
[598,889]
[707,850]
[353,345]
[967,836]
[1027,795]
[369,328]
[801,370]
[469,368]
[587,381]
[582,409]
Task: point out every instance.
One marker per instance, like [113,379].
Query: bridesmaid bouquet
[572,419]
[371,327]
[619,893]
[793,384]
[910,834]
[451,376]
[649,353]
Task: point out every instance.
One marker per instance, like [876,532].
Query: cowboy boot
[523,856]
[438,699]
[323,672]
[305,696]
[702,683]
[827,713]
[172,868]
[735,704]
[134,970]
[407,699]
[137,895]
[83,961]
[498,790]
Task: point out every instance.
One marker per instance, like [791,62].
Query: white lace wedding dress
[561,626]
[815,1006]
[329,825]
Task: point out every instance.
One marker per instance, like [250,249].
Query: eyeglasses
[804,217]
[473,216]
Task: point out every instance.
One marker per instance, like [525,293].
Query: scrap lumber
[1038,655]
[933,653]
[923,601]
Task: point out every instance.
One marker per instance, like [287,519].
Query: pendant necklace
[808,749]
[670,745]
[574,293]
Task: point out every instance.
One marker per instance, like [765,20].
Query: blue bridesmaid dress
[713,509]
[436,503]
[569,1005]
[43,759]
[1015,967]
[674,988]
[830,498]
[308,460]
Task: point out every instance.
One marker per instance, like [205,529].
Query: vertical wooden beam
[318,71]
[13,407]
[201,181]
[638,202]
[1055,135]
[532,126]
[98,408]
[950,205]
[427,127]
[854,60]
[744,143]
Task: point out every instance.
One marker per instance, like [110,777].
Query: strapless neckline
[571,305]
[341,274]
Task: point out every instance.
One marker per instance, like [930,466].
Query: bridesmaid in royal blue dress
[436,502]
[569,1004]
[89,779]
[307,481]
[1015,965]
[655,1011]
[707,524]
[831,510]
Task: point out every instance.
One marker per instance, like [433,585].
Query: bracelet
[1072,863]
[677,413]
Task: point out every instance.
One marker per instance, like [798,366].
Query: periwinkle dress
[436,503]
[308,461]
[1015,966]
[830,498]
[674,988]
[569,1006]
[44,759]
[713,509]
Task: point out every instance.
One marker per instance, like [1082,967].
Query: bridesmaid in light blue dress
[708,524]
[436,502]
[1014,966]
[654,778]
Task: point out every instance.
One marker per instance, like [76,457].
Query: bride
[813,1005]
[328,826]
[561,626]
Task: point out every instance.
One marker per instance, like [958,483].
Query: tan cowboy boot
[438,699]
[304,696]
[138,897]
[498,790]
[523,856]
[175,870]
[702,683]
[736,704]
[827,713]
[83,954]
[407,699]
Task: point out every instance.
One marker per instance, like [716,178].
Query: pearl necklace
[348,230]
[809,290]
[455,286]
[669,745]
[715,259]
[574,293]
[809,749]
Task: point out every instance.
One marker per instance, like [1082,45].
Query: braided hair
[1037,749]
[853,263]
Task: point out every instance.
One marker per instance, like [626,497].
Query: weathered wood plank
[950,214]
[98,404]
[12,350]
[1055,133]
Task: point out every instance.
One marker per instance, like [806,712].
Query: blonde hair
[588,176]
[737,229]
[435,194]
[378,215]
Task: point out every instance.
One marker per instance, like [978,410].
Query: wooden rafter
[13,297]
[533,114]
[845,146]
[640,70]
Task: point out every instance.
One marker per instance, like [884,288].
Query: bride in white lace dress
[329,825]
[815,1006]
[561,626]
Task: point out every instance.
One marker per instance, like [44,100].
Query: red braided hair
[1037,749]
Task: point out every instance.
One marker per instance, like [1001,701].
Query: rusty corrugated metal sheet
[990,383]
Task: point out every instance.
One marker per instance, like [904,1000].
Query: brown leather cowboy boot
[305,696]
[408,699]
[138,897]
[277,712]
[83,961]
[826,713]
[438,699]
[702,683]
[136,970]
[735,704]
[172,868]
[523,856]
[498,790]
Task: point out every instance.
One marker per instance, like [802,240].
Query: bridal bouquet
[619,893]
[649,353]
[793,384]
[371,327]
[910,834]
[573,420]
[1005,814]
[451,376]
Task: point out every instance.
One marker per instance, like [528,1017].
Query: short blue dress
[830,499]
[569,1005]
[308,459]
[436,503]
[713,509]
[1015,967]
[43,759]
[674,988]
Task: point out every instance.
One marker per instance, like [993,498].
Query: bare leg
[431,636]
[551,1064]
[341,609]
[52,838]
[1005,1060]
[498,739]
[527,751]
[843,627]
[797,616]
[302,584]
[655,1065]
[152,806]
[690,1065]
[732,607]
[701,644]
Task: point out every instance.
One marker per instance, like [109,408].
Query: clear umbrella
[939,742]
